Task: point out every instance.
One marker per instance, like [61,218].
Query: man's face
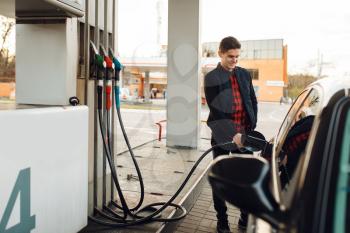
[229,58]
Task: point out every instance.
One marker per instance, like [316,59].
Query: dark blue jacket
[218,93]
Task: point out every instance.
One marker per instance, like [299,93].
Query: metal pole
[113,103]
[86,93]
[96,40]
[105,43]
[86,51]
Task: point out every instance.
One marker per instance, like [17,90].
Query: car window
[342,200]
[287,120]
[293,137]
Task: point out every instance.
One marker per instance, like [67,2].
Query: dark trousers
[219,204]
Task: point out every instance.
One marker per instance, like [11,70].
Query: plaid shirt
[296,142]
[239,115]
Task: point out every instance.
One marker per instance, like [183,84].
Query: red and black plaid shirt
[296,142]
[239,115]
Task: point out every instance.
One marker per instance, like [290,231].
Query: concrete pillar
[184,52]
[146,89]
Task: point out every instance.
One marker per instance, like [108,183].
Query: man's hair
[229,43]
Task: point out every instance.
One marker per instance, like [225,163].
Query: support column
[184,66]
[146,89]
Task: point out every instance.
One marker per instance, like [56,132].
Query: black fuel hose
[142,188]
[106,149]
[124,222]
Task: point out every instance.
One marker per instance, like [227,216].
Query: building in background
[266,60]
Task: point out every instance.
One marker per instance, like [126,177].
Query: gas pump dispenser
[109,72]
[124,216]
[43,139]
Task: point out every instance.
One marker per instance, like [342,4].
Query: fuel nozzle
[109,63]
[99,68]
[109,75]
[118,66]
[254,141]
[117,69]
[97,63]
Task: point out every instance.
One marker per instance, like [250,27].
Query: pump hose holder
[74,101]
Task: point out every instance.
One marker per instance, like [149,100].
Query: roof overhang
[48,8]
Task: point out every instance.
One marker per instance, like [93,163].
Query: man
[233,111]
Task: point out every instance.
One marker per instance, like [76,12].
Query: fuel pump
[109,73]
[100,69]
[119,221]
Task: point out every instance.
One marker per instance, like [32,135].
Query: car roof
[330,86]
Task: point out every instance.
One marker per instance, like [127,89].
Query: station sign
[274,83]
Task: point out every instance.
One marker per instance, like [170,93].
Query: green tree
[297,82]
[7,61]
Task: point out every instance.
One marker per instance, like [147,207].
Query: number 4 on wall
[27,222]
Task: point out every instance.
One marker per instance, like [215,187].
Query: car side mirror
[244,182]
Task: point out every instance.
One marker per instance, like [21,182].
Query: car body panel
[327,89]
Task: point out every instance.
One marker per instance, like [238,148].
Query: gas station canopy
[49,8]
[41,8]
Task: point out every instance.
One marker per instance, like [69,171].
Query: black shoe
[223,227]
[243,221]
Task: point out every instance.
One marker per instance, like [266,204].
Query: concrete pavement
[163,169]
[202,217]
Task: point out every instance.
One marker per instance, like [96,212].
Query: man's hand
[237,139]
